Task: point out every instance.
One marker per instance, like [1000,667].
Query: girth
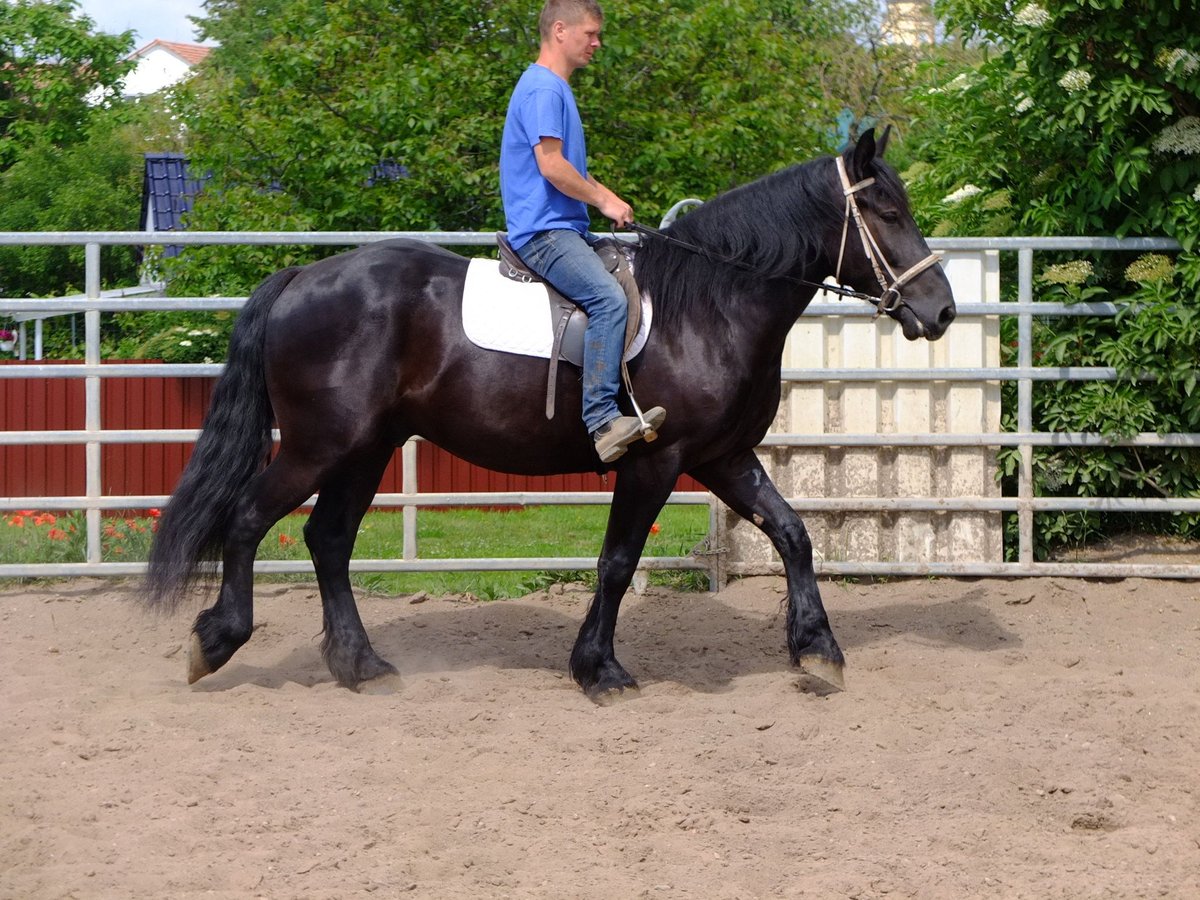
[566,318]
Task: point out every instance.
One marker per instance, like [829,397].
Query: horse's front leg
[643,486]
[741,482]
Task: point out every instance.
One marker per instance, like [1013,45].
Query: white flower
[1031,15]
[185,343]
[1024,105]
[195,333]
[1075,80]
[960,82]
[967,190]
[1186,61]
[1182,137]
[1150,268]
[1076,271]
[1196,194]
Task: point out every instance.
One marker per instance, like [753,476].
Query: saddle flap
[617,260]
[511,265]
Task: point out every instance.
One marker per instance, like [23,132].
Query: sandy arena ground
[1034,739]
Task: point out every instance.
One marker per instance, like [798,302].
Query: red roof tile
[189,53]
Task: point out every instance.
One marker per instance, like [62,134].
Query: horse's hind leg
[330,533]
[272,494]
[740,481]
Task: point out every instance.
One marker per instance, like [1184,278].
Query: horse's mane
[773,227]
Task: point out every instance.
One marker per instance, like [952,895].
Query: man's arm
[559,172]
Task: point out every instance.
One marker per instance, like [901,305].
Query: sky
[150,19]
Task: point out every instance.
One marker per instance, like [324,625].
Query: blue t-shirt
[542,105]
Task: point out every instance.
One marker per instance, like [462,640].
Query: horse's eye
[891,216]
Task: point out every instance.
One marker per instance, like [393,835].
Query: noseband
[889,301]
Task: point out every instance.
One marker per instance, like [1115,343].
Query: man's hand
[613,206]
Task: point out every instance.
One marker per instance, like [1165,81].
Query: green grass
[441,534]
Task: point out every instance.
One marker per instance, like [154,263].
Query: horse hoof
[197,665]
[828,674]
[613,696]
[388,683]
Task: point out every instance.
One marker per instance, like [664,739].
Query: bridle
[889,301]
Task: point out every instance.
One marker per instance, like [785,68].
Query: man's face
[581,41]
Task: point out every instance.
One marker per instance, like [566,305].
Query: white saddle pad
[502,314]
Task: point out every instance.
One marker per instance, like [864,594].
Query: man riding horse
[547,189]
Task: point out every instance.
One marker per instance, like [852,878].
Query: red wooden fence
[57,404]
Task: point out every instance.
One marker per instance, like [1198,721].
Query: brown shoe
[614,438]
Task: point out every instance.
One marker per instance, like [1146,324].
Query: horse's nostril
[949,314]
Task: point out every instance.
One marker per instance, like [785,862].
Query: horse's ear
[881,146]
[864,154]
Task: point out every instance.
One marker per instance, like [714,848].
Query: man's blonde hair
[570,11]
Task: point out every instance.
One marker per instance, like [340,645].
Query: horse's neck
[756,326]
[757,318]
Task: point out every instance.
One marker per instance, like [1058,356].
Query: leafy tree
[66,160]
[96,185]
[882,80]
[53,68]
[1083,117]
[386,114]
[93,184]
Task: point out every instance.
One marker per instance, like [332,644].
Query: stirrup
[649,434]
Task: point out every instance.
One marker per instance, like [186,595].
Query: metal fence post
[91,394]
[718,537]
[1025,490]
[408,481]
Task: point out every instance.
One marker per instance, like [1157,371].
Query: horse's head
[882,252]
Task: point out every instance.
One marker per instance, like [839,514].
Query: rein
[889,301]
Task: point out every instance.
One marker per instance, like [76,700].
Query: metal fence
[1025,505]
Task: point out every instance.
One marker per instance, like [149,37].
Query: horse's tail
[232,448]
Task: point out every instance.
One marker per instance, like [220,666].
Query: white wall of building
[157,69]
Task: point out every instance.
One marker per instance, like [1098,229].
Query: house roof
[189,53]
[168,188]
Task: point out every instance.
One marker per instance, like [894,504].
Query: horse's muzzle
[915,326]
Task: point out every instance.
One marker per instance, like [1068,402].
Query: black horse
[353,355]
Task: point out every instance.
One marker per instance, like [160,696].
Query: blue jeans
[565,259]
